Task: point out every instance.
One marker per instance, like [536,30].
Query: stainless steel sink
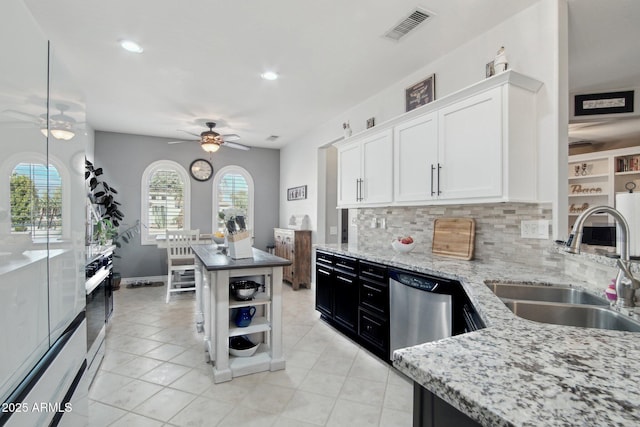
[586,316]
[561,294]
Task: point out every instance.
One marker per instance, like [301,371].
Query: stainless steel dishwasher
[426,308]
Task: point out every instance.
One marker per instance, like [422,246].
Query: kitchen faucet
[625,289]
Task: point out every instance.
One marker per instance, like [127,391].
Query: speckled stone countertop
[517,372]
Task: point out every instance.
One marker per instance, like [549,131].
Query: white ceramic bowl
[242,341]
[402,247]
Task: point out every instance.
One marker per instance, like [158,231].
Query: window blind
[166,202]
[36,200]
[232,192]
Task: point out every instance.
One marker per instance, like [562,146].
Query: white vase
[500,62]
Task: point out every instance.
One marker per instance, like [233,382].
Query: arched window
[166,200]
[232,188]
[37,195]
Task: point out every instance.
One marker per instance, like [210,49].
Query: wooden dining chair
[181,261]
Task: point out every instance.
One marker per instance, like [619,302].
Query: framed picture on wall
[297,193]
[420,93]
[604,103]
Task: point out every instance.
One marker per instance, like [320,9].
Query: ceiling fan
[211,141]
[62,125]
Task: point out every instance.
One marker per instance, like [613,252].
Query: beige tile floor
[154,373]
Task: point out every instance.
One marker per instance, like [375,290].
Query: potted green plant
[102,195]
[104,232]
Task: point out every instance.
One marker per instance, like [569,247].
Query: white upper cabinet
[470,147]
[477,145]
[349,174]
[365,168]
[377,167]
[415,154]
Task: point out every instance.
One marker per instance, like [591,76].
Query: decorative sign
[297,193]
[573,209]
[420,93]
[584,190]
[604,103]
[489,69]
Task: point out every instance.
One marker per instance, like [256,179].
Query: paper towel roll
[628,204]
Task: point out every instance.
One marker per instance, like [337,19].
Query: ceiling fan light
[210,146]
[62,134]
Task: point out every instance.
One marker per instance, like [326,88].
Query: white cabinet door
[349,174]
[377,168]
[470,147]
[415,154]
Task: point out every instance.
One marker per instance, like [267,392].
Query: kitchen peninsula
[214,272]
[517,372]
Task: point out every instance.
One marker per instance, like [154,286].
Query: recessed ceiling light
[269,75]
[131,46]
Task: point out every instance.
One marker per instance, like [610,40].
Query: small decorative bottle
[347,129]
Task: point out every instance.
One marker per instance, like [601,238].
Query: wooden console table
[295,245]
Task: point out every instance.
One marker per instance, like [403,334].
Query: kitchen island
[517,372]
[214,272]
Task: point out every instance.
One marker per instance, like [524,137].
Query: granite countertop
[213,259]
[517,372]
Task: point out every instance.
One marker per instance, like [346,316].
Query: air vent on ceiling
[415,18]
[272,138]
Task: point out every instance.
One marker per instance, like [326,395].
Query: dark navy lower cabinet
[431,411]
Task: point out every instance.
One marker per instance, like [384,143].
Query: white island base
[212,282]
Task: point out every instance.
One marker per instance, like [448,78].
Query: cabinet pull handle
[344,279]
[359,196]
[323,272]
[439,167]
[432,169]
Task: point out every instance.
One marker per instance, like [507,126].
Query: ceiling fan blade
[231,137]
[180,142]
[190,133]
[19,125]
[19,115]
[236,146]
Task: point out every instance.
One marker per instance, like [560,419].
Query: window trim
[7,169]
[216,181]
[145,238]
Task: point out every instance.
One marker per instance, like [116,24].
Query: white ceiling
[203,58]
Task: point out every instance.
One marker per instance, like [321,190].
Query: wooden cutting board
[454,237]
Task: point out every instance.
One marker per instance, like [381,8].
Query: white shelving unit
[219,325]
[595,178]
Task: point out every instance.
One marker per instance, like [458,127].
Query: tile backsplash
[497,228]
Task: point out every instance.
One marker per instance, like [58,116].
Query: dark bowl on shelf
[241,346]
[243,290]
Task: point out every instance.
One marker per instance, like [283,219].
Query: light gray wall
[124,158]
